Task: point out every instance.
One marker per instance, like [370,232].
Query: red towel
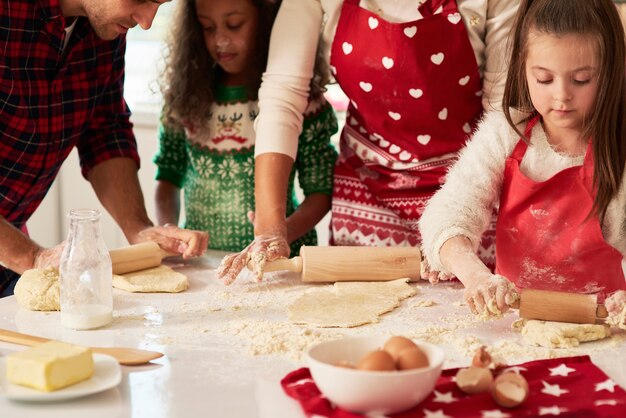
[565,387]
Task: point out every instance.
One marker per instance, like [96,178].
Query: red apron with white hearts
[545,240]
[415,97]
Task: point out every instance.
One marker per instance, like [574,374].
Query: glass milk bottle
[86,288]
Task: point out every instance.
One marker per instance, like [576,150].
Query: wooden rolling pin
[336,264]
[137,257]
[560,306]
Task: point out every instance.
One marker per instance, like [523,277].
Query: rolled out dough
[561,334]
[348,304]
[38,289]
[157,279]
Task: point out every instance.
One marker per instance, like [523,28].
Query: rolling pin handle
[515,305]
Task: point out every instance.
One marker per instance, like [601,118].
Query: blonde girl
[553,164]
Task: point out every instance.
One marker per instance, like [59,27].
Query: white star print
[435,414]
[553,410]
[444,397]
[611,402]
[562,370]
[554,390]
[515,369]
[608,384]
[495,413]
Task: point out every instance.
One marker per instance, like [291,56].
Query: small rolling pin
[336,264]
[137,257]
[560,306]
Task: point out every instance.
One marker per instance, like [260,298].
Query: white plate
[107,374]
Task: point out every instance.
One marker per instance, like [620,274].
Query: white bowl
[371,391]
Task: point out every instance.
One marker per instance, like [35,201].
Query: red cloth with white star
[565,387]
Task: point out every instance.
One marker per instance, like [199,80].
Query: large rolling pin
[336,264]
[560,306]
[137,257]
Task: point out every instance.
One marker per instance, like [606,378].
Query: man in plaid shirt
[61,86]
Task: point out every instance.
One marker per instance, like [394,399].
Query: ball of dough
[38,289]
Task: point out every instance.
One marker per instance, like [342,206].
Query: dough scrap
[157,279]
[38,289]
[561,334]
[348,304]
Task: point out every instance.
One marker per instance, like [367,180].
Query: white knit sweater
[464,204]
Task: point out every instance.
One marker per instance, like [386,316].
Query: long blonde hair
[600,20]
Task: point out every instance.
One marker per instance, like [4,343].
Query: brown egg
[474,380]
[378,360]
[510,390]
[481,358]
[411,358]
[396,344]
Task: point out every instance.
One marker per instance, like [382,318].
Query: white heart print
[404,156]
[416,93]
[437,58]
[394,149]
[372,22]
[394,115]
[333,70]
[387,62]
[410,31]
[375,137]
[366,87]
[443,115]
[463,81]
[383,143]
[354,104]
[347,47]
[454,18]
[423,139]
[467,128]
[353,122]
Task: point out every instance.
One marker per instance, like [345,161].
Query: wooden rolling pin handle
[601,311]
[290,264]
[21,339]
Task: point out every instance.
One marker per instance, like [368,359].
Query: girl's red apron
[415,97]
[545,240]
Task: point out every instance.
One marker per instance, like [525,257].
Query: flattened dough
[157,279]
[38,289]
[561,334]
[348,304]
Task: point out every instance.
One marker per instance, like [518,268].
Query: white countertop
[226,348]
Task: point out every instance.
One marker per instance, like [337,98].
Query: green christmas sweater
[214,165]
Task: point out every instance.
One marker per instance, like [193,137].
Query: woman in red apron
[560,219]
[415,73]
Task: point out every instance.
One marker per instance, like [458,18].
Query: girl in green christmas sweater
[217,52]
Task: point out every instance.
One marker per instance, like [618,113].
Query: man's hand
[172,239]
[264,248]
[48,257]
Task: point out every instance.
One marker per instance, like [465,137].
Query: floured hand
[616,307]
[264,248]
[491,295]
[432,276]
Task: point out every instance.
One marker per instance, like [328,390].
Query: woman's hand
[264,248]
[490,295]
[616,307]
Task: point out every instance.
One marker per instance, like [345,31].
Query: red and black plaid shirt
[52,100]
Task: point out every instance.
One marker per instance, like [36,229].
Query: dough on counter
[560,334]
[348,304]
[157,279]
[38,289]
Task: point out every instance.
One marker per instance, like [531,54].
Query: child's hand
[616,307]
[264,248]
[432,276]
[490,295]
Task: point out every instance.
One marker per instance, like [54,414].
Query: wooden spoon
[125,356]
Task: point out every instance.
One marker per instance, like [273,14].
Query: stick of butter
[50,366]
